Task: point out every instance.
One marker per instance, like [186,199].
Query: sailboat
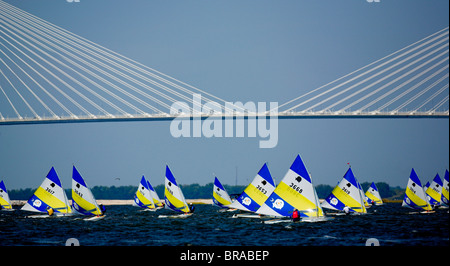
[415,195]
[5,202]
[373,195]
[49,198]
[445,190]
[346,193]
[221,198]
[83,201]
[174,197]
[434,191]
[255,194]
[295,191]
[142,197]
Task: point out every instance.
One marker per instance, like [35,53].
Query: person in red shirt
[295,216]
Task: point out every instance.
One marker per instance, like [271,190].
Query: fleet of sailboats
[262,198]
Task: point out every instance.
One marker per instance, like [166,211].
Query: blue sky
[240,51]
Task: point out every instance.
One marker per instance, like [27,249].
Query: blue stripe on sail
[411,203]
[336,203]
[3,187]
[40,205]
[77,177]
[139,202]
[277,204]
[218,184]
[299,168]
[81,210]
[54,177]
[446,175]
[150,186]
[350,177]
[413,176]
[172,207]
[373,186]
[144,182]
[265,173]
[248,202]
[438,180]
[170,176]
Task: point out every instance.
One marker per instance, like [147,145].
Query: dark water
[390,224]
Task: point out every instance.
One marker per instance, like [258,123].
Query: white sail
[415,195]
[295,191]
[50,194]
[82,199]
[173,195]
[220,195]
[143,197]
[434,191]
[373,195]
[346,193]
[256,192]
[5,202]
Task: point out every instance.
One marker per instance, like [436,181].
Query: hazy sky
[239,50]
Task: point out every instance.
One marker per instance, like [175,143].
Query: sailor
[295,216]
[191,208]
[102,209]
[50,211]
[346,209]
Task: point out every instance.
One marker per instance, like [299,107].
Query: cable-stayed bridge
[50,75]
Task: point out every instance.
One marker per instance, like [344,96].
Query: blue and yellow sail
[83,200]
[346,193]
[220,196]
[434,191]
[50,194]
[415,197]
[156,200]
[295,191]
[142,197]
[5,202]
[373,195]
[445,189]
[173,195]
[257,192]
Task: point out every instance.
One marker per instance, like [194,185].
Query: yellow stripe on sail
[176,202]
[256,195]
[148,203]
[51,200]
[434,194]
[297,200]
[373,197]
[4,203]
[417,200]
[348,200]
[220,199]
[445,192]
[85,204]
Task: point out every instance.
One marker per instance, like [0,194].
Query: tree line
[196,191]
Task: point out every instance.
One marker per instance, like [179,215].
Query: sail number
[49,190]
[296,188]
[346,190]
[261,189]
[79,193]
